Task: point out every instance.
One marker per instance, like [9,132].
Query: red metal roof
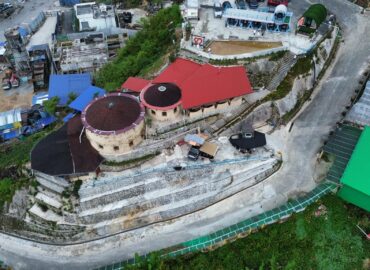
[135,84]
[204,84]
[178,71]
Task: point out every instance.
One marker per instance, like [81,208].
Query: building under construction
[87,52]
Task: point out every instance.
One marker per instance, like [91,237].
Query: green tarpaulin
[356,177]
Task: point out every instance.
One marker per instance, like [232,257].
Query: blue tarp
[84,99]
[38,125]
[23,31]
[62,85]
[194,138]
[11,135]
[40,47]
[68,117]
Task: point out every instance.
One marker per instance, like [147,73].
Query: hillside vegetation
[142,50]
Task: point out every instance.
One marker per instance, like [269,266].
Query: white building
[94,17]
[191,9]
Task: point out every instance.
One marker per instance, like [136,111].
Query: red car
[277,2]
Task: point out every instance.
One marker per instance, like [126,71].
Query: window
[153,112]
[100,146]
[131,143]
[164,113]
[116,148]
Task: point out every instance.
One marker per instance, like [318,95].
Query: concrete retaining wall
[170,194]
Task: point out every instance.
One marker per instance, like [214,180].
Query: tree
[142,50]
[71,97]
[51,105]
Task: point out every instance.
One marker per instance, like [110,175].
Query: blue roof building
[62,85]
[84,99]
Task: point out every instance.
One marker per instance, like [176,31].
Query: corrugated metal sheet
[360,112]
[8,118]
[84,99]
[62,85]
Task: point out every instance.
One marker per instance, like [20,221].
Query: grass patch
[305,241]
[275,56]
[143,50]
[289,115]
[7,189]
[302,67]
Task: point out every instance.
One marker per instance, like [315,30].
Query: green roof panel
[357,173]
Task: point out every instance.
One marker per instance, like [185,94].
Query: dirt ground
[240,47]
[20,97]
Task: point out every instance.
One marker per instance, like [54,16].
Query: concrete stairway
[52,183]
[286,63]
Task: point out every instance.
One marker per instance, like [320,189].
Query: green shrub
[76,187]
[51,105]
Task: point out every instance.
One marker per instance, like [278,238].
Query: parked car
[194,153]
[253,4]
[240,4]
[217,9]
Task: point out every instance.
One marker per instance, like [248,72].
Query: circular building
[114,124]
[162,101]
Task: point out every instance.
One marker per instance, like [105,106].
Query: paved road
[299,149]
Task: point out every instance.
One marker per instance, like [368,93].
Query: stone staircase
[285,65]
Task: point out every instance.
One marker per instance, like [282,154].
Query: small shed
[245,143]
[208,150]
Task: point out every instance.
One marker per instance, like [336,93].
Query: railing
[243,227]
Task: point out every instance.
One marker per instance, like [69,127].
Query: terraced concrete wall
[167,195]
